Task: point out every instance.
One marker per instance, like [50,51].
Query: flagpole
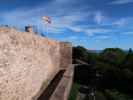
[46,28]
[47,21]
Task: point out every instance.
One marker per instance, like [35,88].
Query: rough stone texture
[66,54]
[63,89]
[26,62]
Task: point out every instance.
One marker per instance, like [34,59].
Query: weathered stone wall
[66,54]
[27,62]
[63,89]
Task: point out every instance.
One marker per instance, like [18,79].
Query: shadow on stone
[52,86]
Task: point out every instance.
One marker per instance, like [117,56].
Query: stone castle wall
[27,62]
[66,54]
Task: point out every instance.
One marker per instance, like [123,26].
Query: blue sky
[95,24]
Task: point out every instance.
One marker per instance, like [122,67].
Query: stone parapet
[66,54]
[63,89]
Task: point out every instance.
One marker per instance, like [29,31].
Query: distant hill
[99,51]
[95,51]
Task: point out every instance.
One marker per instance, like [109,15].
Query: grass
[74,91]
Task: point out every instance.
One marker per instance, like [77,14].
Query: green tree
[128,62]
[114,56]
[83,54]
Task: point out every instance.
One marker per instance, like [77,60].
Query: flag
[47,19]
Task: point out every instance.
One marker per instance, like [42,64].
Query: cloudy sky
[95,24]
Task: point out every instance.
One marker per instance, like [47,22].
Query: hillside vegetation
[110,73]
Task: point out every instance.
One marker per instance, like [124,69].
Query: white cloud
[99,18]
[88,31]
[121,1]
[76,29]
[62,17]
[91,32]
[121,22]
[127,33]
[101,38]
[74,39]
